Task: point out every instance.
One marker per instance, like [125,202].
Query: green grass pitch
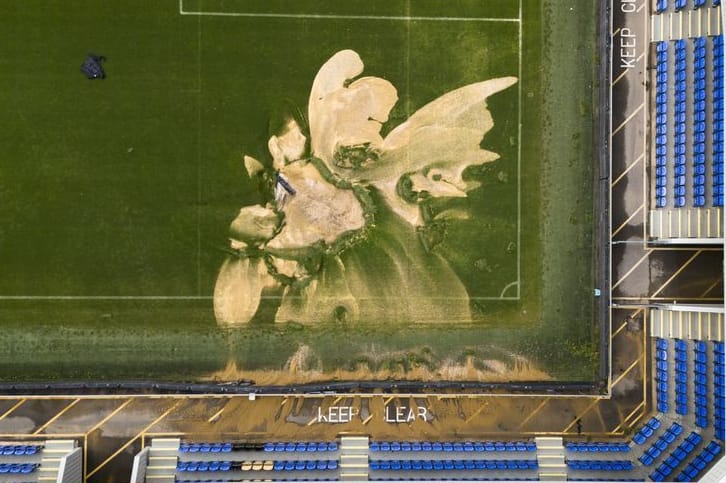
[117,194]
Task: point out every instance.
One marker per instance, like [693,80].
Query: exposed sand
[317,212]
[253,224]
[347,115]
[437,143]
[434,147]
[238,290]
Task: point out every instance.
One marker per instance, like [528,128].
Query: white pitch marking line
[343,17]
[407,18]
[519,162]
[190,297]
[507,288]
[104,297]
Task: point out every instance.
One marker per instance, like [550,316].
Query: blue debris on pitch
[92,67]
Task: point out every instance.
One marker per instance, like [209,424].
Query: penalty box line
[517,20]
[204,297]
[343,17]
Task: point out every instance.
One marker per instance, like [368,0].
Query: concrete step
[160,470]
[354,458]
[553,476]
[59,446]
[550,451]
[356,450]
[162,460]
[548,441]
[351,461]
[166,443]
[161,478]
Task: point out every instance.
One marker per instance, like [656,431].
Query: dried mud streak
[453,372]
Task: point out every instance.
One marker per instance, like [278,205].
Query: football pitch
[446,242]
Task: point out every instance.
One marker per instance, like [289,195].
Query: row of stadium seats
[598,447]
[268,447]
[203,466]
[719,389]
[699,117]
[236,480]
[18,468]
[661,444]
[482,446]
[681,355]
[662,5]
[681,4]
[322,465]
[661,126]
[600,479]
[206,447]
[600,465]
[19,449]
[679,180]
[699,383]
[718,141]
[448,478]
[450,465]
[298,465]
[646,431]
[676,457]
[699,124]
[694,468]
[661,375]
[308,447]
